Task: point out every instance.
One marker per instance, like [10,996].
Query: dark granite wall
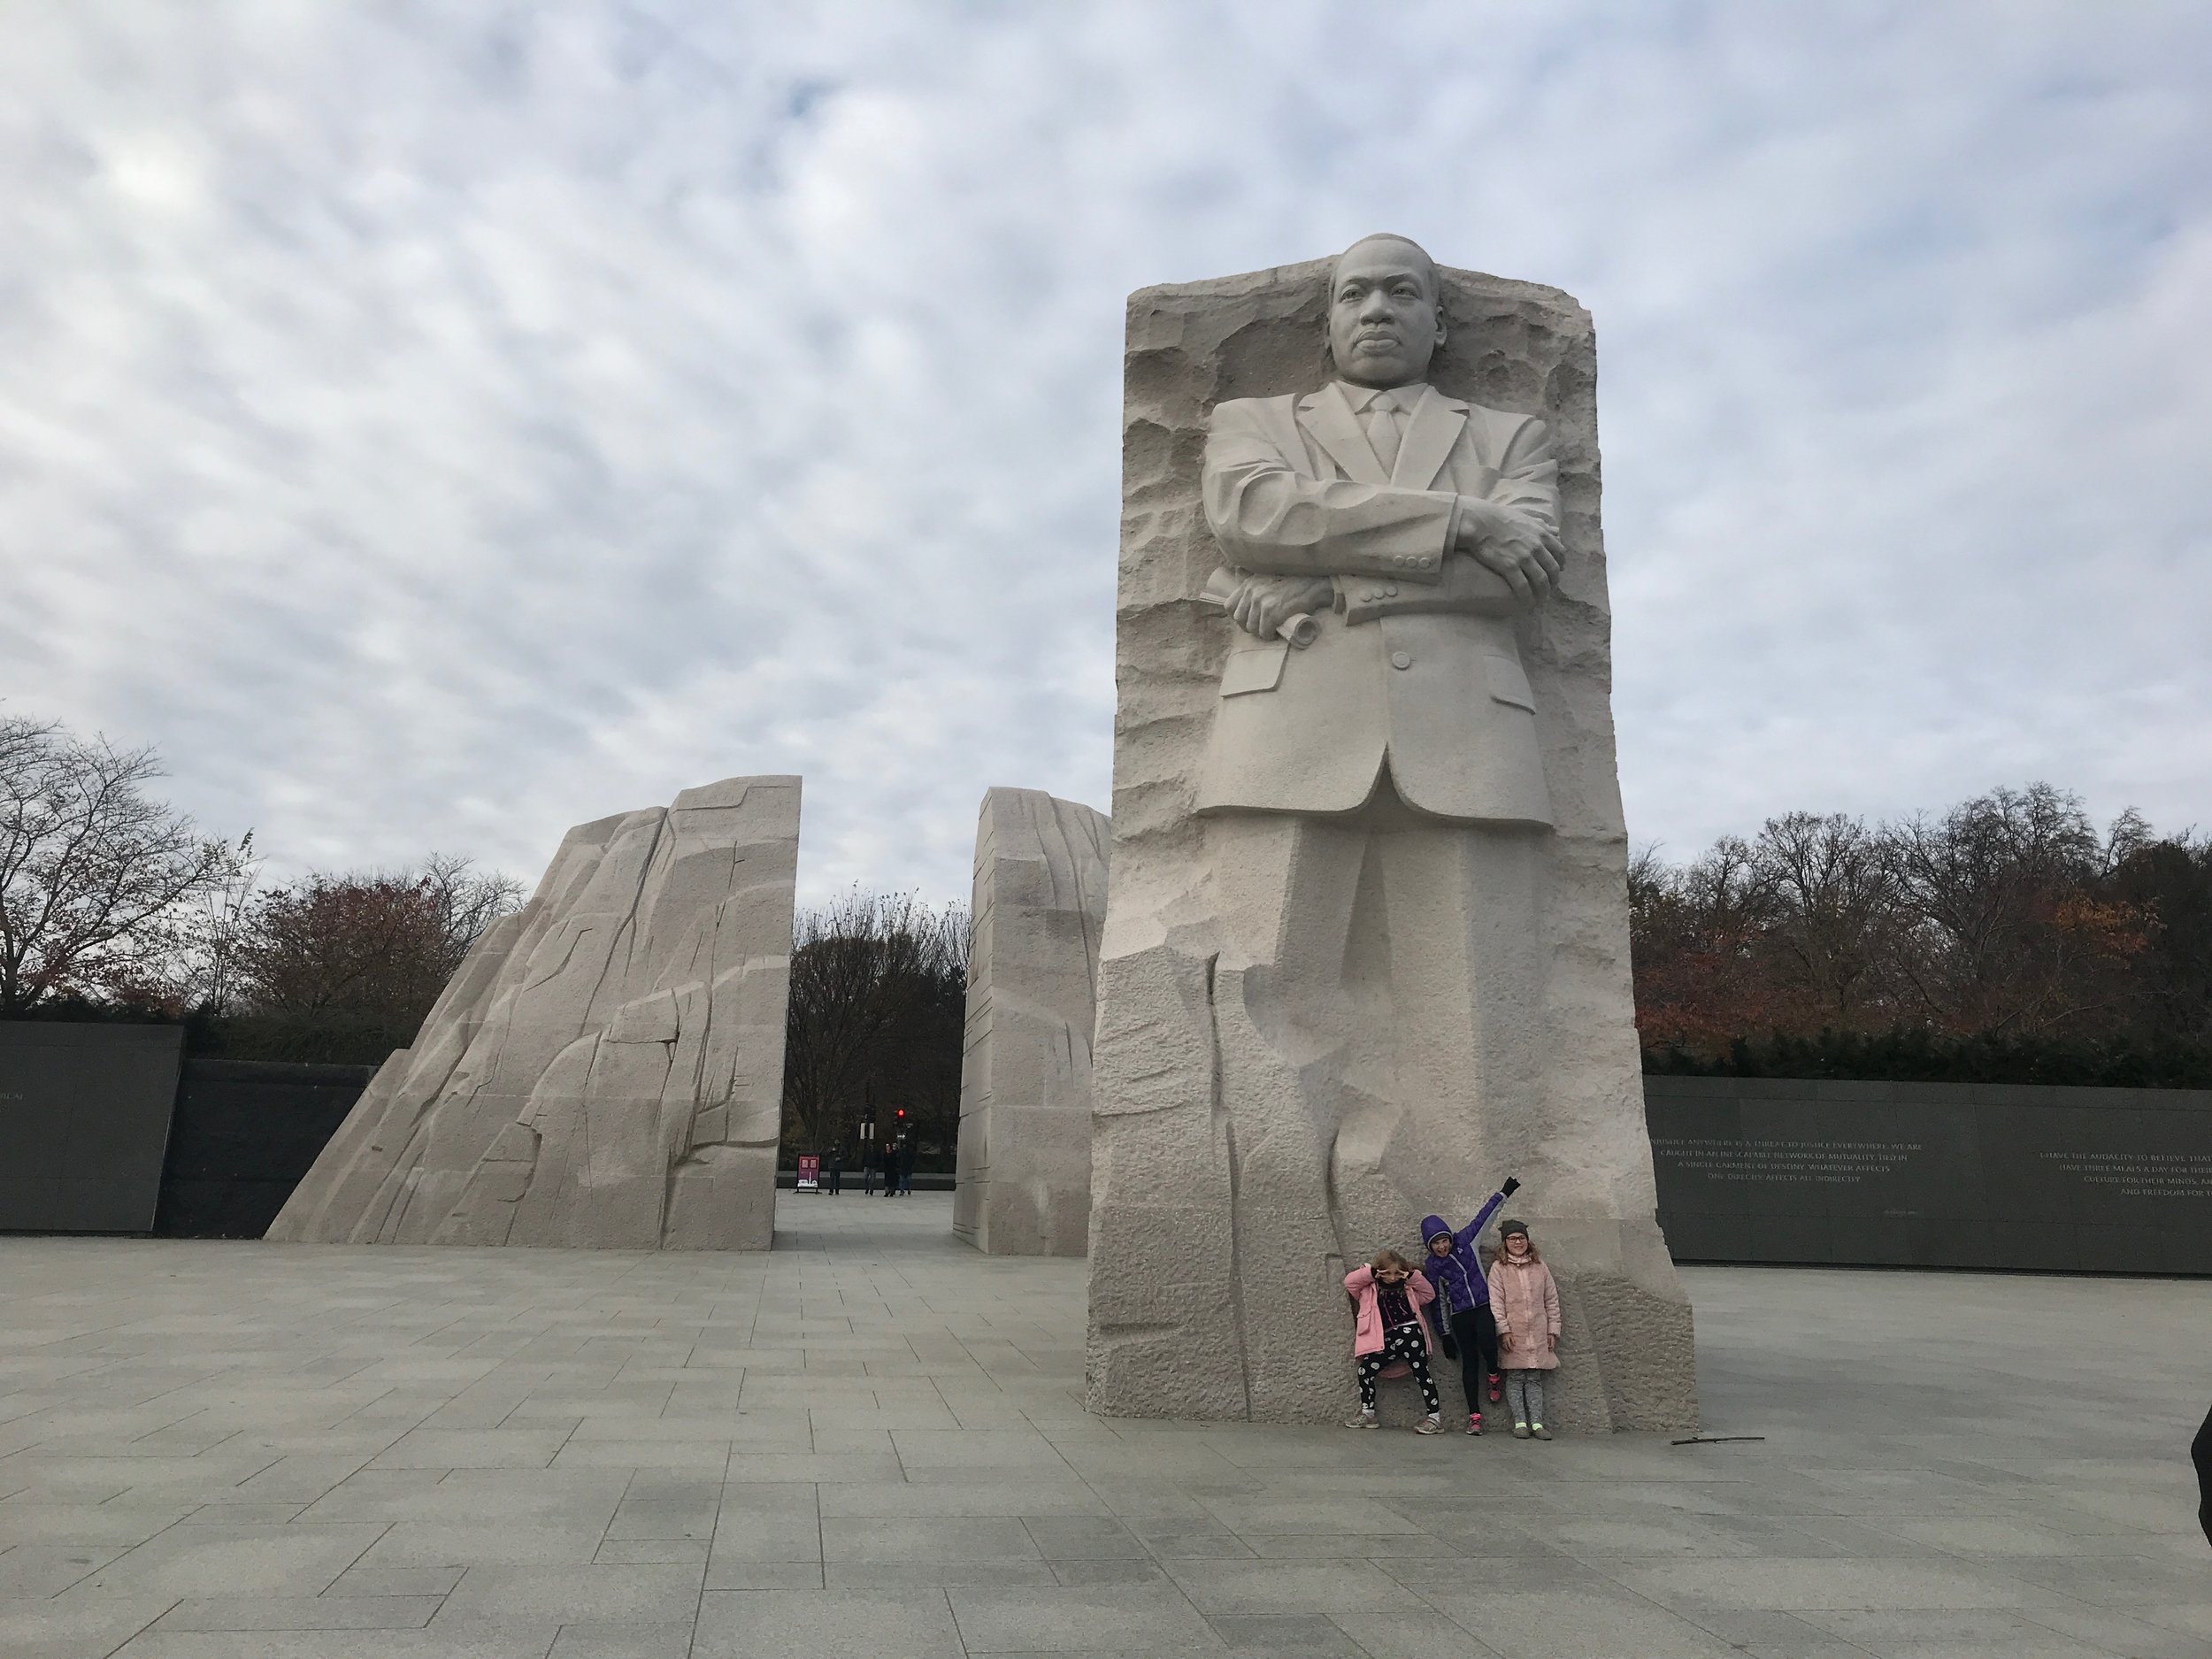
[246,1133]
[84,1120]
[1933,1174]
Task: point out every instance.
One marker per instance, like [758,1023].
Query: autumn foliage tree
[364,954]
[2010,918]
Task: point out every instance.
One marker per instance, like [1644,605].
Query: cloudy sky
[436,424]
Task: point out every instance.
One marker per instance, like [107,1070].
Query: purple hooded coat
[1458,1277]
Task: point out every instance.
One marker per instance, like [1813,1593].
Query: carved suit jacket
[1416,667]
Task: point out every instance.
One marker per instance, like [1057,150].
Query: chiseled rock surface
[1214,1260]
[1024,1167]
[606,1068]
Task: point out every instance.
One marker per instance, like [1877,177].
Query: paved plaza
[871,1442]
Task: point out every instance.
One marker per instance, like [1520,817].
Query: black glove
[1451,1349]
[1510,1187]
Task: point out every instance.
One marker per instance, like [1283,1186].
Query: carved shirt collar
[1359,397]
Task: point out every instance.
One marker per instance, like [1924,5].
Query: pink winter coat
[1367,1325]
[1526,1305]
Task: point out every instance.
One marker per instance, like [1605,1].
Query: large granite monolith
[606,1067]
[1024,1186]
[1367,948]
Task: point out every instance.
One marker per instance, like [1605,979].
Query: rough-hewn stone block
[1025,1161]
[606,1067]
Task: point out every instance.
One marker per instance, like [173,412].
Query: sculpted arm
[1269,516]
[1513,530]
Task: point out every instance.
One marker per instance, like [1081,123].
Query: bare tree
[1834,903]
[879,987]
[98,881]
[205,975]
[2014,936]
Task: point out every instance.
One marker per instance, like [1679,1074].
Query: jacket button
[1391,592]
[1400,660]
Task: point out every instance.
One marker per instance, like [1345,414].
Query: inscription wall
[244,1134]
[1933,1174]
[84,1123]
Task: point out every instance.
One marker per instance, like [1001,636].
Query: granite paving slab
[873,1439]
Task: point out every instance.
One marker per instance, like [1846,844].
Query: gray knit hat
[1508,1227]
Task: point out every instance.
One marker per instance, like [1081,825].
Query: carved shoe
[1364,1420]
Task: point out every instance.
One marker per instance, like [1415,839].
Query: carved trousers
[1379,1007]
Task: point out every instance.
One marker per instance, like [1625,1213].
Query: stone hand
[1262,604]
[1519,549]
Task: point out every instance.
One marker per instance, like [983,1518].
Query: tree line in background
[113,905]
[2008,940]
[879,1010]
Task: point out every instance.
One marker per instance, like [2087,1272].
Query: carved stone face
[1384,325]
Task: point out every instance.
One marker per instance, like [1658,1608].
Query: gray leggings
[1524,1396]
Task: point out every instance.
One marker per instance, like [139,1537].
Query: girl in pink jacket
[1389,1337]
[1524,1303]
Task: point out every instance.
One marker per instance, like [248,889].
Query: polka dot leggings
[1405,1342]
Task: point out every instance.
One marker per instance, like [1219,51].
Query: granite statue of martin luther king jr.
[1367,944]
[1421,525]
[1373,795]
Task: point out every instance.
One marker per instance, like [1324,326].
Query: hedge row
[1917,1055]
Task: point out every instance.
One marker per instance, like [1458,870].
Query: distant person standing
[832,1172]
[868,1170]
[906,1171]
[890,1169]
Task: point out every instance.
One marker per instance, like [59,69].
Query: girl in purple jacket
[1461,1309]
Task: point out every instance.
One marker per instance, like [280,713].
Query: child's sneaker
[1495,1391]
[1364,1420]
[1474,1422]
[1540,1431]
[1428,1424]
[1520,1431]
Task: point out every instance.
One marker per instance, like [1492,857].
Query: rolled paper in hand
[1298,628]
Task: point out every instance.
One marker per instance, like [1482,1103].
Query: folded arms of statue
[1387,550]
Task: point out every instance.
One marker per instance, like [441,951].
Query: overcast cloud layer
[435,424]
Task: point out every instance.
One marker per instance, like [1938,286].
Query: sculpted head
[1386,318]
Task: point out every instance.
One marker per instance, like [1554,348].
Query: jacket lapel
[1337,430]
[1430,438]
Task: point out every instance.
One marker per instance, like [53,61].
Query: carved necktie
[1382,430]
